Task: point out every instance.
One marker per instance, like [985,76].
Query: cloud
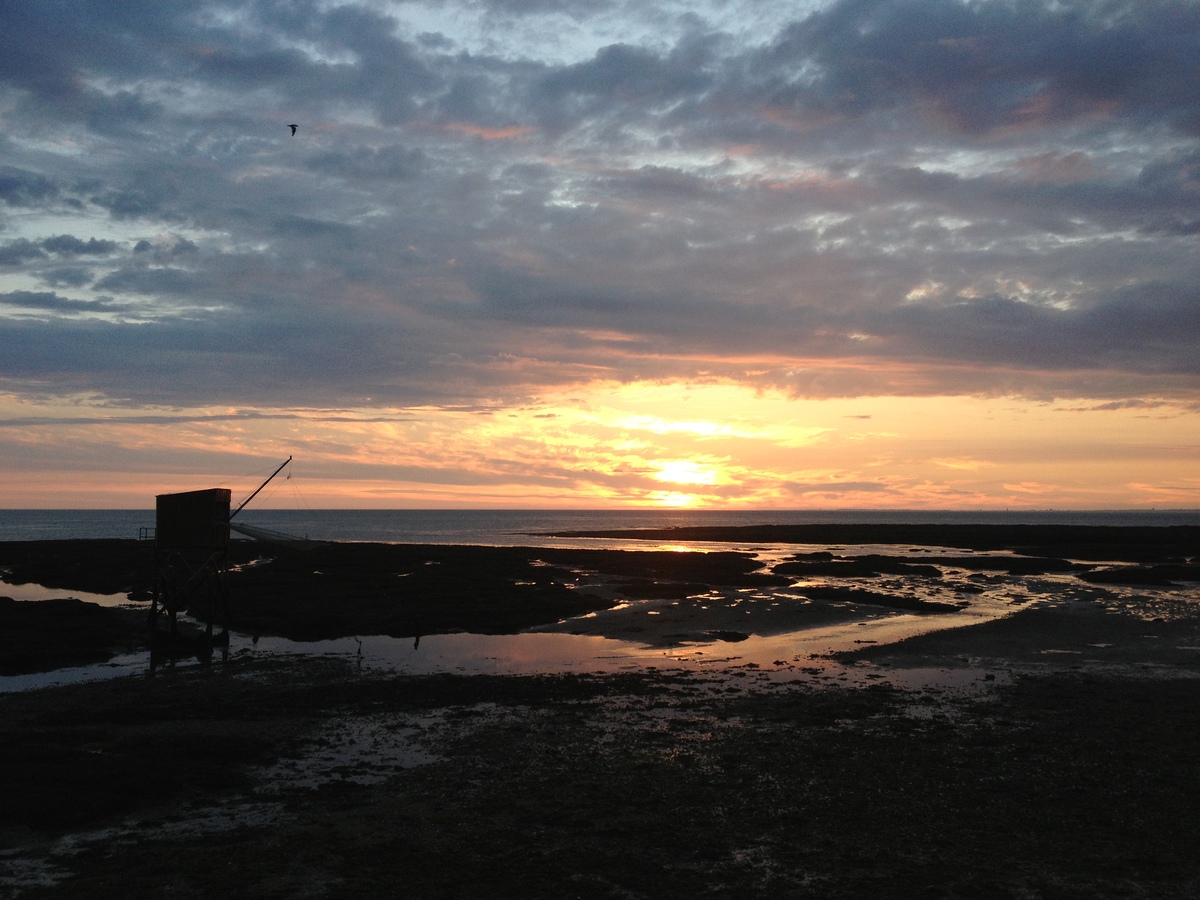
[488,200]
[837,487]
[51,302]
[22,188]
[68,245]
[66,276]
[991,68]
[19,251]
[365,162]
[159,281]
[625,74]
[129,204]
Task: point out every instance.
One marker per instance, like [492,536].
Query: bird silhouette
[293,127]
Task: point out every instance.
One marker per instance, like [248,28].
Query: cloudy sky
[583,253]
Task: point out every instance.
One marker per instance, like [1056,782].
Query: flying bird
[293,127]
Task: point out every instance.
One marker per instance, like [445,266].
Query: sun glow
[686,471]
[679,445]
[659,425]
[675,499]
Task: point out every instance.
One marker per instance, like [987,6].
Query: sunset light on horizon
[823,255]
[747,451]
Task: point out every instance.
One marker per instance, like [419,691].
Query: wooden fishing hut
[191,554]
[191,557]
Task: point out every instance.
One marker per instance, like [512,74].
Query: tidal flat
[1057,755]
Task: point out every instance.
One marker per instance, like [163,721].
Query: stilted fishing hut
[191,556]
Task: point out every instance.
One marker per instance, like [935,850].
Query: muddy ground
[343,589]
[307,779]
[1073,772]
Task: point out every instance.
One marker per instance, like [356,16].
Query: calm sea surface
[509,527]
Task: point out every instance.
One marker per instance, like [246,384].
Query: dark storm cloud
[911,184]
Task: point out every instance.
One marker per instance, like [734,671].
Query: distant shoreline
[1120,543]
[508,526]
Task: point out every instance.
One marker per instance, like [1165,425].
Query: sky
[726,254]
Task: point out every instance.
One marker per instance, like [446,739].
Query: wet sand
[309,779]
[658,597]
[1067,766]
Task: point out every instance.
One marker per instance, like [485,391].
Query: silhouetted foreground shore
[307,779]
[1074,771]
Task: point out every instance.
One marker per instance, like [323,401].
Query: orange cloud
[1029,487]
[966,464]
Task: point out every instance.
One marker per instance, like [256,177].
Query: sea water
[525,527]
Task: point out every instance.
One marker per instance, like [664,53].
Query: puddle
[32,592]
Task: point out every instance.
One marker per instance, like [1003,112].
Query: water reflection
[33,592]
[774,657]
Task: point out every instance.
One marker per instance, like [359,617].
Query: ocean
[523,527]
